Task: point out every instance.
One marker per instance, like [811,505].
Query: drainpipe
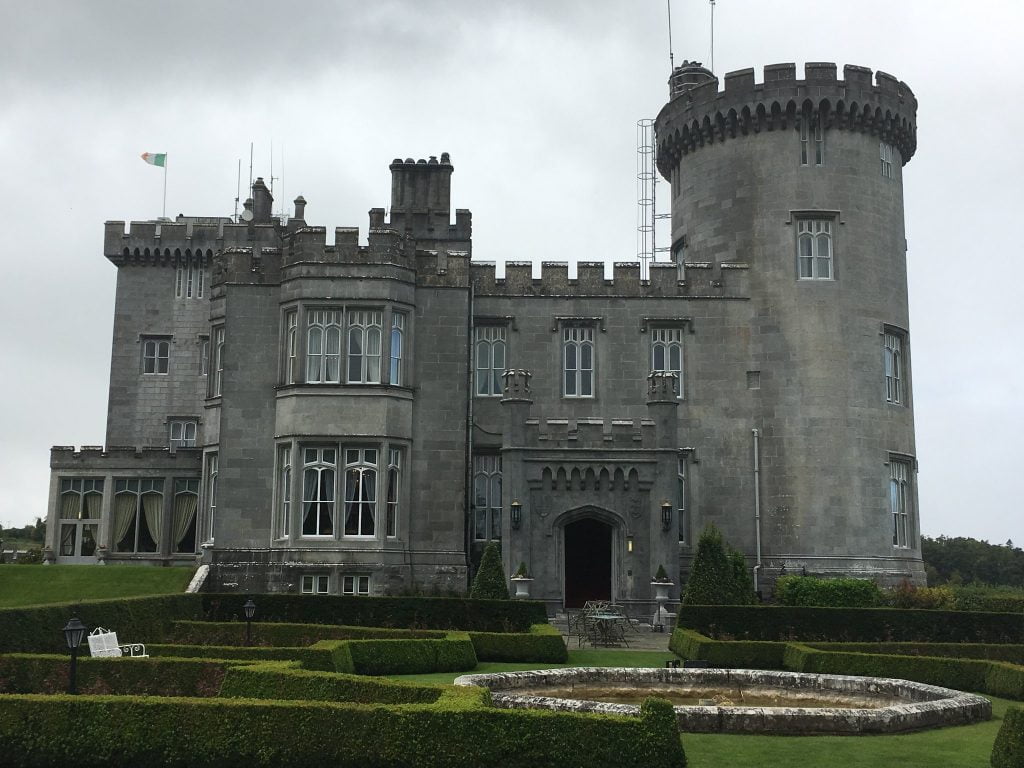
[467,517]
[757,507]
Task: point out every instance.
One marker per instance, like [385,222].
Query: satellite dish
[246,215]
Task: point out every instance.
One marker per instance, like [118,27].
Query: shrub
[851,624]
[309,657]
[974,597]
[37,629]
[108,732]
[906,595]
[718,575]
[489,582]
[1008,751]
[1006,680]
[543,643]
[44,673]
[831,593]
[739,654]
[402,657]
[391,612]
[283,634]
[272,681]
[989,651]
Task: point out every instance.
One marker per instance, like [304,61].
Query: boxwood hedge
[1013,653]
[37,629]
[403,657]
[283,634]
[310,657]
[543,643]
[738,654]
[1008,751]
[273,681]
[851,624]
[400,612]
[112,732]
[44,673]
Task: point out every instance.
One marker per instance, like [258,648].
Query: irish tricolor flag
[155,158]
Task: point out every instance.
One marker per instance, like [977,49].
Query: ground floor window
[184,518]
[138,514]
[486,497]
[899,501]
[315,584]
[355,585]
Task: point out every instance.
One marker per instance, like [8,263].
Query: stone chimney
[300,207]
[263,202]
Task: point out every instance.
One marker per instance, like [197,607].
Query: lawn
[966,746]
[22,585]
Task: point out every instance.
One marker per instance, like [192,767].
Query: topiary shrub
[490,582]
[1008,751]
[718,575]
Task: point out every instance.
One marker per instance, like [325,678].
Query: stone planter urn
[522,585]
[661,616]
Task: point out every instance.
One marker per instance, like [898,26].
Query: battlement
[125,458]
[699,113]
[664,280]
[591,433]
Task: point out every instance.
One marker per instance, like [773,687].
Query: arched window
[489,343]
[397,338]
[318,482]
[814,249]
[183,521]
[578,361]
[360,491]
[364,343]
[323,347]
[667,354]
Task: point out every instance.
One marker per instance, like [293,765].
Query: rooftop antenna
[250,169]
[712,35]
[671,60]
[238,188]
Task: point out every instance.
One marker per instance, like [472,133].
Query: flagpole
[163,213]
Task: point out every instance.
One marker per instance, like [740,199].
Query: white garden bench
[103,642]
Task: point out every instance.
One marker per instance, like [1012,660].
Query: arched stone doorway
[588,561]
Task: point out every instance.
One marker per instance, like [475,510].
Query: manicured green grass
[22,585]
[966,746]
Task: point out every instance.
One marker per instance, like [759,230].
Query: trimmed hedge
[738,654]
[961,674]
[272,681]
[835,593]
[1008,751]
[37,629]
[851,624]
[543,643]
[283,635]
[43,673]
[110,732]
[403,657]
[310,657]
[992,652]
[447,613]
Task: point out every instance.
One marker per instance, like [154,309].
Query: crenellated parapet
[162,243]
[99,458]
[700,114]
[665,279]
[591,433]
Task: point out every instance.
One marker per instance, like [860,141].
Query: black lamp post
[74,631]
[666,515]
[250,611]
[517,515]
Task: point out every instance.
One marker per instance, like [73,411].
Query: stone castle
[362,419]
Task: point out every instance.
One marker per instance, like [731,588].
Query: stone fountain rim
[924,706]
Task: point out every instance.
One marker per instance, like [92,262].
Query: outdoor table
[608,628]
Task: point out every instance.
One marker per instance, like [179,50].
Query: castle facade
[361,419]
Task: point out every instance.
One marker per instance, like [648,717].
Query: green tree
[719,573]
[490,582]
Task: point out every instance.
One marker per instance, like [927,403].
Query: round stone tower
[800,184]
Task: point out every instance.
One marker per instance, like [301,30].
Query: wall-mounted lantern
[517,514]
[666,515]
[629,543]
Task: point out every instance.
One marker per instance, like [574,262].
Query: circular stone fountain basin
[741,700]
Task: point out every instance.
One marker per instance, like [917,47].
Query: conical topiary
[490,583]
[718,575]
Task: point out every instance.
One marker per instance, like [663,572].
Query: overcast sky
[537,103]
